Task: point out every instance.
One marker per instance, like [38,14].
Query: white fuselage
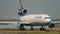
[36,18]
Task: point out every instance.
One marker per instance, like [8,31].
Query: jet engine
[51,25]
[22,12]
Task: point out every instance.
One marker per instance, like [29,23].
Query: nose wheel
[42,29]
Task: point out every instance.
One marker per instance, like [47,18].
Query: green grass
[38,32]
[28,32]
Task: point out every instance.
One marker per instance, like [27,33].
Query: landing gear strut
[42,29]
[31,27]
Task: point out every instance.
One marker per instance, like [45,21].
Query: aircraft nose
[47,19]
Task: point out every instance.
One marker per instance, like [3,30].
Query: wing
[55,21]
[5,18]
[9,20]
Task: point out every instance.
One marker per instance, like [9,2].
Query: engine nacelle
[51,25]
[22,12]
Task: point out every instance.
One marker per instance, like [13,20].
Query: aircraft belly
[40,22]
[36,23]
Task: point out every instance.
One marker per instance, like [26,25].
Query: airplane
[33,19]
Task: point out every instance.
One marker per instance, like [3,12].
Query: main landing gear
[31,27]
[21,27]
[42,29]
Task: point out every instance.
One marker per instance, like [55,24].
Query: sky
[50,7]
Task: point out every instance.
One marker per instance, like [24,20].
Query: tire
[22,27]
[32,28]
[42,29]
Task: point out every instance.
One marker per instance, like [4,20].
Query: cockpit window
[47,17]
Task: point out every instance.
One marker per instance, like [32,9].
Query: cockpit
[47,18]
